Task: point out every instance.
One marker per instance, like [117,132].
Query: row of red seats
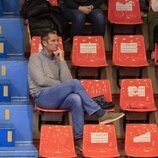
[141,140]
[89,51]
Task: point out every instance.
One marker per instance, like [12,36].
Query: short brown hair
[44,35]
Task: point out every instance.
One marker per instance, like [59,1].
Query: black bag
[103,104]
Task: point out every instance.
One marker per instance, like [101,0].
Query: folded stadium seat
[136,96]
[56,141]
[36,44]
[97,88]
[141,140]
[99,141]
[129,55]
[124,13]
[156,54]
[88,52]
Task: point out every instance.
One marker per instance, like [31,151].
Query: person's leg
[97,17]
[78,20]
[73,103]
[142,3]
[53,97]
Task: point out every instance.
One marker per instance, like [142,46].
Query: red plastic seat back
[129,51]
[137,95]
[98,87]
[124,12]
[156,54]
[56,141]
[36,44]
[99,141]
[54,3]
[141,140]
[88,51]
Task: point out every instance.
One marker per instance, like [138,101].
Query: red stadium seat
[88,51]
[98,87]
[99,141]
[36,44]
[56,141]
[129,52]
[141,140]
[124,12]
[54,3]
[137,96]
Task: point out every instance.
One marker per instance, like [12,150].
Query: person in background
[80,11]
[153,25]
[52,87]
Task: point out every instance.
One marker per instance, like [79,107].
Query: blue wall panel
[15,69]
[11,6]
[20,115]
[12,28]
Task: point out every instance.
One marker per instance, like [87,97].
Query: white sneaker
[109,117]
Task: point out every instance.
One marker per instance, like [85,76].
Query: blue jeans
[71,96]
[78,19]
[143,3]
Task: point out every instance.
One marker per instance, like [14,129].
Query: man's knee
[98,15]
[76,81]
[75,102]
[80,17]
[75,99]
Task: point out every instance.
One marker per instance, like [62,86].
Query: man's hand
[85,9]
[59,54]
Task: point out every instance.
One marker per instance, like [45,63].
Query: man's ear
[44,43]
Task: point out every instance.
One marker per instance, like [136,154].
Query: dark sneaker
[109,117]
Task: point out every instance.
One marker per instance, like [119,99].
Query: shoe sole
[111,120]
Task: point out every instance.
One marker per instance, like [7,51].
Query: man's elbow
[41,82]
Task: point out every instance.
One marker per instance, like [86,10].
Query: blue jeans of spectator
[142,3]
[78,19]
[71,96]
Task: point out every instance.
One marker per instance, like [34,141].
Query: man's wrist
[79,7]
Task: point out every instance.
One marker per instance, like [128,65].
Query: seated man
[52,86]
[80,11]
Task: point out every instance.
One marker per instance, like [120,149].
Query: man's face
[51,44]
